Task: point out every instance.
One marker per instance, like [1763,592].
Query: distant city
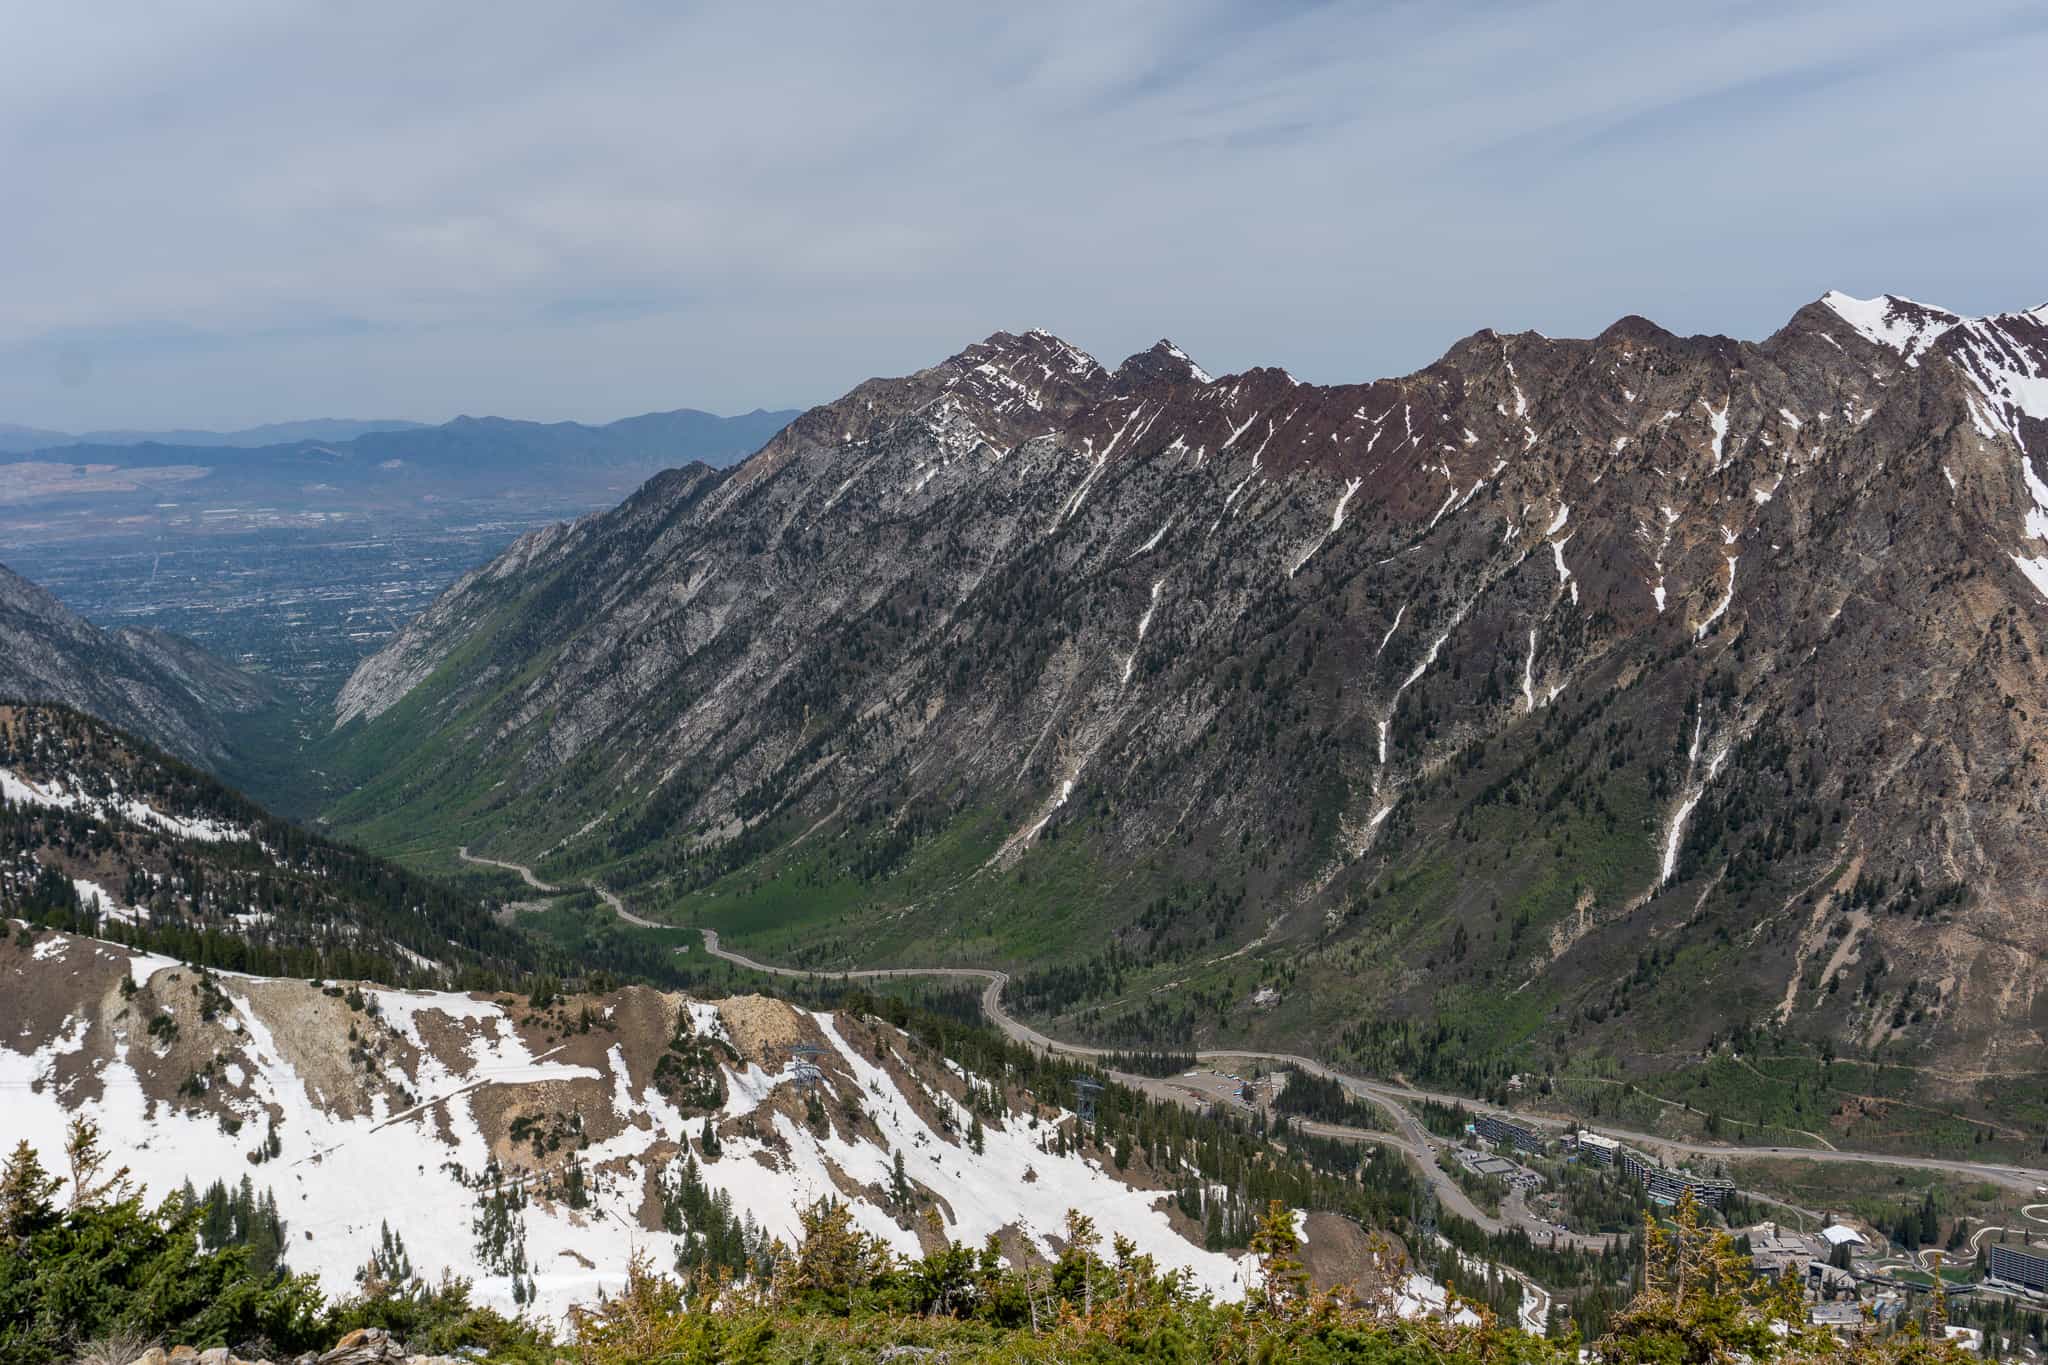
[300,601]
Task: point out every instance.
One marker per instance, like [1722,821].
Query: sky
[218,214]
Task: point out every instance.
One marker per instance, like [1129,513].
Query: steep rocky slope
[156,685]
[1581,697]
[535,1146]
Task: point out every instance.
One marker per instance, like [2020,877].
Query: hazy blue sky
[224,213]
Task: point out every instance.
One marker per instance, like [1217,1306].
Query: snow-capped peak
[1195,372]
[1895,323]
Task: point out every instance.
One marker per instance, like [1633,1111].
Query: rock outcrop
[364,1346]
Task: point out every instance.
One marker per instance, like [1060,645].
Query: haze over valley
[294,550]
[936,685]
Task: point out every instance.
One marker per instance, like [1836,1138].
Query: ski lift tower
[1085,1091]
[803,1063]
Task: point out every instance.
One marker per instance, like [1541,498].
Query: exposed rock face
[1518,676]
[158,686]
[534,1148]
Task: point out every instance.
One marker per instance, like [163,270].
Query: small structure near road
[1841,1234]
[1499,1168]
[803,1065]
[1775,1249]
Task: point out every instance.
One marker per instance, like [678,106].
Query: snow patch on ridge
[1897,324]
[112,806]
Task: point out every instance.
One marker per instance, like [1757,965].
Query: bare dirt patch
[763,1029]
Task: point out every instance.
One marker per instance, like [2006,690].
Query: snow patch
[56,795]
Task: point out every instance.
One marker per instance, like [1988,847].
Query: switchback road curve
[1388,1095]
[1411,1138]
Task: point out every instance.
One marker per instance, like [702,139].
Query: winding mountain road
[526,875]
[1387,1095]
[1411,1138]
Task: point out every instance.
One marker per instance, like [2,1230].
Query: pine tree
[389,1269]
[82,1150]
[1283,1280]
[25,1192]
[899,1182]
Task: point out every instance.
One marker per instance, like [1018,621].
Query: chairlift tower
[1085,1091]
[803,1064]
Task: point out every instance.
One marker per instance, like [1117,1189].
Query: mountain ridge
[385,438]
[1496,685]
[160,686]
[102,834]
[535,1145]
[17,439]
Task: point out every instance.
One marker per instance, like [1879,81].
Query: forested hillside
[102,834]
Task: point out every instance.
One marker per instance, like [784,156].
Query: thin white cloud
[231,213]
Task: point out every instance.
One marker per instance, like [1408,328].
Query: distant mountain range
[22,440]
[1631,698]
[372,465]
[502,443]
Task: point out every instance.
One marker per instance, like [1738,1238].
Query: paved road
[526,874]
[1394,1098]
[2037,1213]
[1413,1138]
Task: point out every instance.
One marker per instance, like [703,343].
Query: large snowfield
[340,1177]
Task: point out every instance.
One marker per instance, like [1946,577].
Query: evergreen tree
[25,1193]
[899,1182]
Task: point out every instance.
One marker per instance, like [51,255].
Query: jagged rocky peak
[1912,329]
[2003,356]
[1895,323]
[1163,364]
[1034,369]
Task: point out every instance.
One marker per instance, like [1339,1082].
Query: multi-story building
[1598,1149]
[1506,1133]
[1668,1184]
[2026,1266]
[1664,1184]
